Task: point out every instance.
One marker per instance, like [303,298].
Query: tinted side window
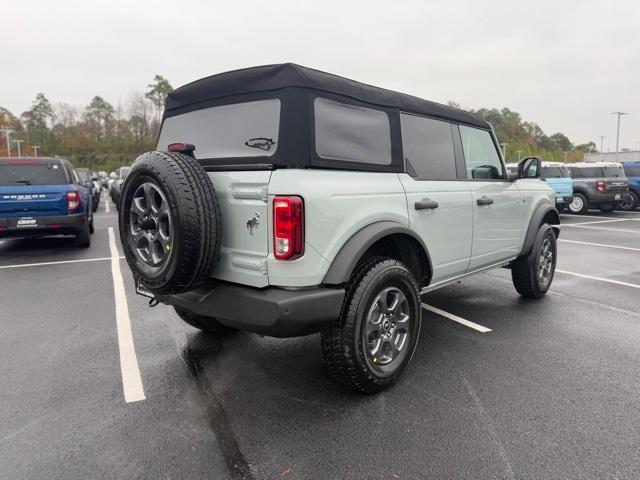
[481,156]
[428,147]
[632,171]
[351,133]
[552,172]
[585,172]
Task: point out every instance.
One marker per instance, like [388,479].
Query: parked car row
[580,186]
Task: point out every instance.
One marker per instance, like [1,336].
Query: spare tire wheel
[169,220]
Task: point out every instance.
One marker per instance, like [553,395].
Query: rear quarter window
[427,145]
[585,172]
[28,173]
[613,172]
[351,133]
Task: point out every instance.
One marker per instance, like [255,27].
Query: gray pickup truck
[597,185]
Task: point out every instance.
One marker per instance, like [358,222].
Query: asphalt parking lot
[95,384]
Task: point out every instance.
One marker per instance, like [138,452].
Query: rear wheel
[579,204]
[532,274]
[206,324]
[372,342]
[83,238]
[629,201]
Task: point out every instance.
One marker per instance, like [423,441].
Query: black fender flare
[537,219]
[347,258]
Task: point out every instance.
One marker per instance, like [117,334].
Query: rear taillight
[73,200]
[601,186]
[288,227]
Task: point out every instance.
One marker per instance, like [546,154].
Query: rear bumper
[605,198]
[269,311]
[563,201]
[48,225]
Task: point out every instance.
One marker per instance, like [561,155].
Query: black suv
[599,185]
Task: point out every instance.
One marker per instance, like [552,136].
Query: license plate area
[27,222]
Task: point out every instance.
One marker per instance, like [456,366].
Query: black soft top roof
[274,77]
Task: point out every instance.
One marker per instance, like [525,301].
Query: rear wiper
[26,182]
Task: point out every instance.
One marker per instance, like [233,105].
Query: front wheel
[372,342]
[532,274]
[579,204]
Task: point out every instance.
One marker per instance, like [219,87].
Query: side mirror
[529,167]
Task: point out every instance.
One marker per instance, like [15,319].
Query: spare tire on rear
[169,221]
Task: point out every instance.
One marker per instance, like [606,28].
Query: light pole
[619,114]
[18,142]
[518,152]
[601,137]
[7,132]
[565,157]
[35,150]
[504,150]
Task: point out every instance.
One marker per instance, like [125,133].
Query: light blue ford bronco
[287,201]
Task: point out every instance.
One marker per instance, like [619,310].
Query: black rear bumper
[46,225]
[269,311]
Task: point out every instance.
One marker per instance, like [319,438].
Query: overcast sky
[563,64]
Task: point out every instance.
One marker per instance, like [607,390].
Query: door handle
[484,201]
[426,204]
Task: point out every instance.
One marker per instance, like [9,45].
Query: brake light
[73,200]
[186,148]
[601,185]
[288,227]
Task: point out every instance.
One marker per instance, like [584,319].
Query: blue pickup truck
[631,199]
[43,197]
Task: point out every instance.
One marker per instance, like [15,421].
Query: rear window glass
[613,172]
[554,172]
[239,130]
[585,172]
[351,133]
[50,173]
[632,171]
[428,147]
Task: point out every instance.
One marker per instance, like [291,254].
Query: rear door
[32,188]
[438,200]
[497,202]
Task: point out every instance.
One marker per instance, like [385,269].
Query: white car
[287,201]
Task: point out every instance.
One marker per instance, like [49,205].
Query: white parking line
[597,221]
[598,244]
[61,262]
[599,279]
[455,318]
[106,204]
[600,216]
[131,381]
[601,228]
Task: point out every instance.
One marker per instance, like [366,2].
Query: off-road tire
[585,204]
[524,270]
[205,324]
[195,215]
[83,238]
[342,348]
[91,227]
[633,202]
